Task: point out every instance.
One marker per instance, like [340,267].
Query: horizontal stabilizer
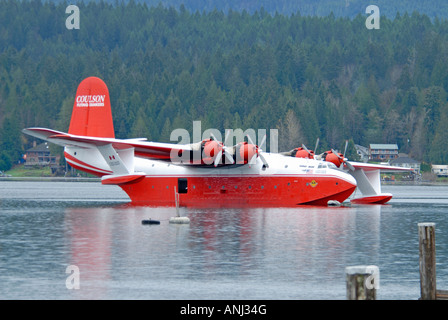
[41,133]
[144,149]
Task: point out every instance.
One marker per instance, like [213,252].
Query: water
[260,254]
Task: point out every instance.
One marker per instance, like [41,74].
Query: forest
[310,77]
[340,8]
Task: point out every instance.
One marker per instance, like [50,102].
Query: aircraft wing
[142,148]
[381,167]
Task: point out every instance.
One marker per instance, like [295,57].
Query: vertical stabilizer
[92,115]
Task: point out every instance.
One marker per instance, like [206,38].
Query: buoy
[333,203]
[180,220]
[150,221]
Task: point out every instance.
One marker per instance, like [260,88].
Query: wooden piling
[427,261]
[362,282]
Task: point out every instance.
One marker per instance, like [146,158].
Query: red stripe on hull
[82,166]
[263,191]
[93,172]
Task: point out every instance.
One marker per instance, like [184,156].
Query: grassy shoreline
[22,173]
[48,179]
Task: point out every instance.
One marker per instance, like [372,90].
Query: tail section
[92,114]
[88,146]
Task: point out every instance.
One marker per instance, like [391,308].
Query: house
[404,161]
[362,152]
[441,170]
[383,152]
[40,155]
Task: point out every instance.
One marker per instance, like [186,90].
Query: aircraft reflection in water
[205,173]
[109,245]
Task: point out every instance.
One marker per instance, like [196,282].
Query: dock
[363,281]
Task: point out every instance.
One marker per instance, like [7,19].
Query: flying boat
[207,172]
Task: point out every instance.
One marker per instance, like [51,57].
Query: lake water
[257,254]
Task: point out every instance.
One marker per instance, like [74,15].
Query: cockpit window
[331,165]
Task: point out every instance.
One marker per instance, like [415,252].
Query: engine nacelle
[303,153]
[336,159]
[246,151]
[212,148]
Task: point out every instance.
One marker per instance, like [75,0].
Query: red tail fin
[92,115]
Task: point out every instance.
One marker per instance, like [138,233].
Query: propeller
[257,151]
[338,155]
[348,164]
[343,159]
[218,158]
[228,155]
[310,153]
[301,152]
[212,150]
[215,150]
[263,159]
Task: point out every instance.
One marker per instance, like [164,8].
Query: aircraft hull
[278,191]
[155,183]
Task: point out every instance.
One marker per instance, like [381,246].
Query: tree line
[310,77]
[340,8]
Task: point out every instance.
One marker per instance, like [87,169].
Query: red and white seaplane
[205,173]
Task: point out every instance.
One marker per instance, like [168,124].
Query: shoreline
[413,183]
[49,179]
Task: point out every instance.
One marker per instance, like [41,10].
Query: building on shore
[363,152]
[40,155]
[441,170]
[405,161]
[383,152]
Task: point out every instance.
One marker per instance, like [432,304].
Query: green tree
[438,152]
[10,143]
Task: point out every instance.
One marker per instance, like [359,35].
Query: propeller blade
[345,150]
[264,160]
[315,148]
[218,158]
[262,142]
[350,166]
[227,135]
[337,154]
[212,136]
[250,140]
[306,149]
[228,156]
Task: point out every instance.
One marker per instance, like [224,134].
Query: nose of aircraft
[350,179]
[338,188]
[347,186]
